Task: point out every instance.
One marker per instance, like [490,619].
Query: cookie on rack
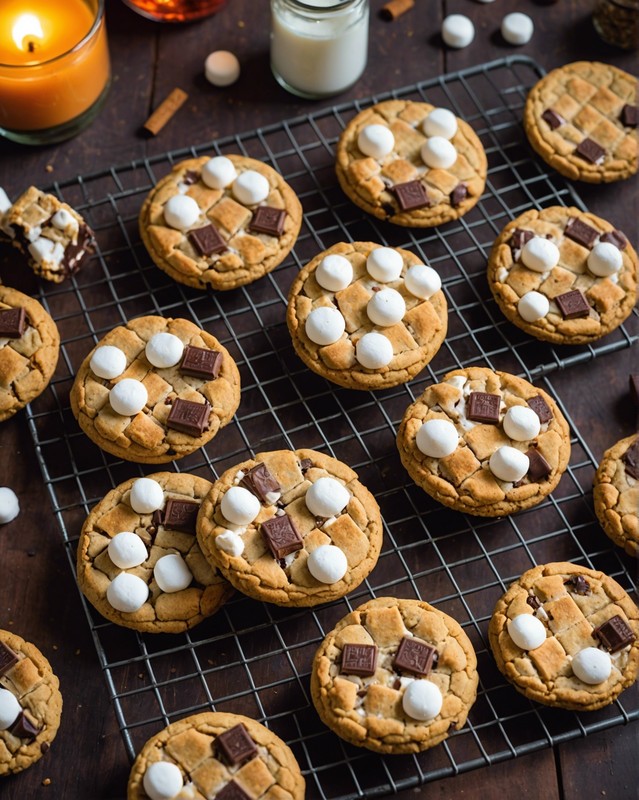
[220,222]
[30,704]
[411,164]
[566,636]
[295,528]
[138,560]
[582,118]
[616,494]
[155,389]
[484,442]
[366,316]
[563,275]
[29,349]
[395,676]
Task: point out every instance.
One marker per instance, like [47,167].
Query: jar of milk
[318,47]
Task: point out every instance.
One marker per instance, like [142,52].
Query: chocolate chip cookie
[616,494]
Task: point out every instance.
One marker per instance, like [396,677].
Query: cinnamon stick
[395,8]
[165,111]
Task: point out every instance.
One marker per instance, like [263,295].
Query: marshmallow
[438,153]
[9,505]
[457,31]
[605,259]
[128,397]
[127,550]
[437,438]
[251,188]
[386,307]
[440,122]
[10,709]
[62,220]
[163,780]
[146,496]
[5,203]
[221,68]
[422,281]
[171,573]
[527,631]
[521,423]
[230,543]
[509,464]
[327,497]
[181,212]
[540,254]
[240,506]
[44,250]
[374,351]
[324,325]
[422,700]
[218,172]
[164,350]
[533,306]
[334,273]
[327,563]
[376,141]
[384,264]
[127,593]
[517,28]
[591,665]
[108,362]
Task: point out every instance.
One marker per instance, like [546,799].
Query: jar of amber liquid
[617,22]
[175,10]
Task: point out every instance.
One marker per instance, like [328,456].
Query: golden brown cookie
[563,275]
[129,533]
[395,676]
[566,636]
[580,120]
[170,405]
[30,704]
[295,528]
[483,442]
[216,754]
[29,348]
[616,494]
[381,163]
[382,321]
[220,222]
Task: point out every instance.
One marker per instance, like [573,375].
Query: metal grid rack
[254,658]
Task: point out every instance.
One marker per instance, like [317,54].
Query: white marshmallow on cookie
[325,325]
[218,172]
[127,550]
[127,593]
[63,220]
[171,573]
[540,254]
[230,543]
[376,141]
[521,423]
[527,631]
[533,306]
[509,464]
[422,700]
[327,497]
[386,307]
[9,505]
[437,438]
[374,351]
[146,496]
[164,350]
[108,362]
[438,153]
[251,188]
[10,709]
[440,122]
[334,273]
[327,563]
[181,212]
[422,281]
[239,506]
[604,260]
[44,250]
[128,397]
[384,264]
[163,781]
[592,666]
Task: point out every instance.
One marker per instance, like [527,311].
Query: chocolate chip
[260,481]
[268,220]
[397,684]
[538,467]
[553,119]
[232,791]
[7,658]
[629,115]
[180,515]
[207,240]
[411,195]
[305,464]
[24,728]
[633,385]
[190,177]
[201,363]
[614,634]
[631,460]
[415,656]
[578,584]
[618,238]
[519,237]
[533,601]
[581,233]
[189,417]
[590,151]
[236,746]
[541,408]
[45,747]
[75,254]
[281,536]
[459,194]
[359,659]
[483,407]
[13,323]
[573,304]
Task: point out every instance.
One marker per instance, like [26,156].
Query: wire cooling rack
[253,658]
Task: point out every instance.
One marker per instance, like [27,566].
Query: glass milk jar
[318,47]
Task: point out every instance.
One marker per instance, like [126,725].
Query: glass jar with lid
[617,22]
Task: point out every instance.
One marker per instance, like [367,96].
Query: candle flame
[27,26]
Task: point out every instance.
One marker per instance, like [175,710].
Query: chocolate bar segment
[201,363]
[538,467]
[269,220]
[553,119]
[76,253]
[590,151]
[629,116]
[458,195]
[232,791]
[281,536]
[483,407]
[581,233]
[260,481]
[614,634]
[519,237]
[616,237]
[7,658]
[236,746]
[359,659]
[13,323]
[411,195]
[415,656]
[573,304]
[207,240]
[189,417]
[180,515]
[24,728]
[541,408]
[631,460]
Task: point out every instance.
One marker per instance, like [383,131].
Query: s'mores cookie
[616,494]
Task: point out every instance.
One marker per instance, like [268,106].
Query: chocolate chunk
[541,408]
[180,515]
[269,220]
[533,601]
[13,323]
[260,481]
[75,254]
[232,791]
[281,536]
[553,119]
[629,116]
[459,193]
[189,417]
[631,459]
[190,177]
[633,385]
[614,634]
[236,746]
[359,659]
[519,237]
[578,584]
[7,658]
[305,464]
[618,238]
[24,728]
[538,467]
[483,407]
[201,363]
[589,150]
[207,240]
[45,747]
[581,233]
[573,304]
[411,195]
[415,656]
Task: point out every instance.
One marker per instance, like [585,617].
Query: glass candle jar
[318,47]
[175,10]
[617,22]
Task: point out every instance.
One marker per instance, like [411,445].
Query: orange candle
[54,67]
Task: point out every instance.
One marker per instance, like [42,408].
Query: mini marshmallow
[386,307]
[240,506]
[9,505]
[438,153]
[63,219]
[181,212]
[457,31]
[127,593]
[605,259]
[334,273]
[327,563]
[230,543]
[218,172]
[517,28]
[251,188]
[162,780]
[422,281]
[325,325]
[376,141]
[521,423]
[527,631]
[440,122]
[327,497]
[127,550]
[128,397]
[591,665]
[374,351]
[108,362]
[164,350]
[540,254]
[171,573]
[146,496]
[509,464]
[384,264]
[44,250]
[437,438]
[221,68]
[5,203]
[422,700]
[533,306]
[9,709]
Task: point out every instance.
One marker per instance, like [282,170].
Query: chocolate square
[590,151]
[458,195]
[483,407]
[519,237]
[189,417]
[411,195]
[232,791]
[260,481]
[578,584]
[415,656]
[629,116]
[269,220]
[180,515]
[573,304]
[190,177]
[207,240]
[615,237]
[614,634]
[281,536]
[24,728]
[236,746]
[201,363]
[13,323]
[538,467]
[553,119]
[541,408]
[359,659]
[631,459]
[7,658]
[633,385]
[533,601]
[581,233]
[76,254]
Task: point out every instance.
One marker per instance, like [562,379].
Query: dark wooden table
[38,597]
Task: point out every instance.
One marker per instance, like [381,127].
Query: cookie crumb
[48,168]
[46,782]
